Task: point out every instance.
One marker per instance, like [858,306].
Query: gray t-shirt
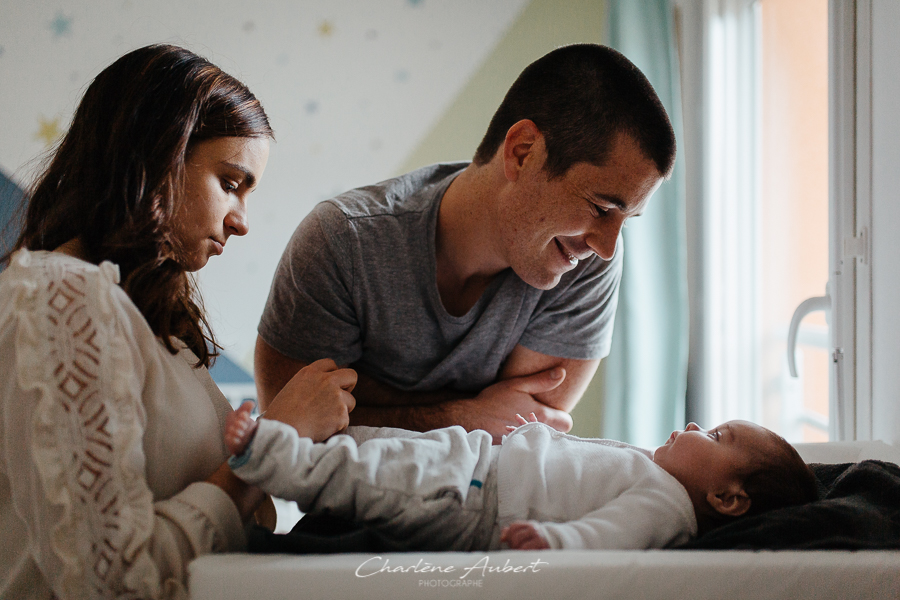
[357,283]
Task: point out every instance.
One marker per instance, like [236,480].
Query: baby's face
[705,460]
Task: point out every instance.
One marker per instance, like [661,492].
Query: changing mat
[770,575]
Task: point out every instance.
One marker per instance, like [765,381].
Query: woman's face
[219,175]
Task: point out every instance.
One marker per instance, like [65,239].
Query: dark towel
[858,508]
[322,534]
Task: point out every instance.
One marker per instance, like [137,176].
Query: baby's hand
[239,429]
[523,535]
[522,421]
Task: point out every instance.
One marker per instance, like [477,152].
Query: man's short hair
[581,97]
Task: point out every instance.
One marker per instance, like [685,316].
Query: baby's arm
[523,535]
[239,429]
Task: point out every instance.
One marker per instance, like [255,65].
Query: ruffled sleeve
[73,449]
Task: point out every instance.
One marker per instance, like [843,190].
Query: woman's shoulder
[53,283]
[42,265]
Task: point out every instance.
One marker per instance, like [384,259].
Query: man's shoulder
[415,191]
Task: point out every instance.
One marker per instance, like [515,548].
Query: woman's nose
[236,221]
[693,427]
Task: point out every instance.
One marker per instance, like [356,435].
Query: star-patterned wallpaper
[350,87]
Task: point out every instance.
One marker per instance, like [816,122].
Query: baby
[449,489]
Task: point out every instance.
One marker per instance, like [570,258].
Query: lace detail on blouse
[87,432]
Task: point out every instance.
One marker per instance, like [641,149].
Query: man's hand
[522,362]
[497,405]
[316,401]
[523,535]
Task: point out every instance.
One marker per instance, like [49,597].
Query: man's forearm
[414,418]
[493,409]
[381,405]
[373,393]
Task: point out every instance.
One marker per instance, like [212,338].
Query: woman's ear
[731,502]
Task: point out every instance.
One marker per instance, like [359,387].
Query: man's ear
[731,502]
[523,142]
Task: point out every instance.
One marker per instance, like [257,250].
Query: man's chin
[542,281]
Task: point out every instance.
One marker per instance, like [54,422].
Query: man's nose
[603,237]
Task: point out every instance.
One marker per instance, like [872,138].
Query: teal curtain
[645,374]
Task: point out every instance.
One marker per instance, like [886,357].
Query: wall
[885,221]
[350,89]
[10,217]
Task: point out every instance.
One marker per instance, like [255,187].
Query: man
[467,293]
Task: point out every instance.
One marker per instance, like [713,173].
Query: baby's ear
[731,502]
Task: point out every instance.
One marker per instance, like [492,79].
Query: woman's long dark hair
[115,181]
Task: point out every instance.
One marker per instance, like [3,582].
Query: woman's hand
[316,401]
[246,498]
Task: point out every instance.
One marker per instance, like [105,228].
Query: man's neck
[467,254]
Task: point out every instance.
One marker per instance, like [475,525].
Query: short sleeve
[72,429]
[310,311]
[575,319]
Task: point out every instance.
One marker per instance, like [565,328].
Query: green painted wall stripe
[542,26]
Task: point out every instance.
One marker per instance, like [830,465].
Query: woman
[112,473]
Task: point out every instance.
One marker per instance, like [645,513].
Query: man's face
[547,226]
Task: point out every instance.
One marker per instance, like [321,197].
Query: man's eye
[229,186]
[597,209]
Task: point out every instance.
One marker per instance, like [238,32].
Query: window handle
[807,306]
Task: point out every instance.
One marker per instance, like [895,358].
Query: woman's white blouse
[105,442]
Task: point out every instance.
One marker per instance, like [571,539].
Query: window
[793,201]
[764,213]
